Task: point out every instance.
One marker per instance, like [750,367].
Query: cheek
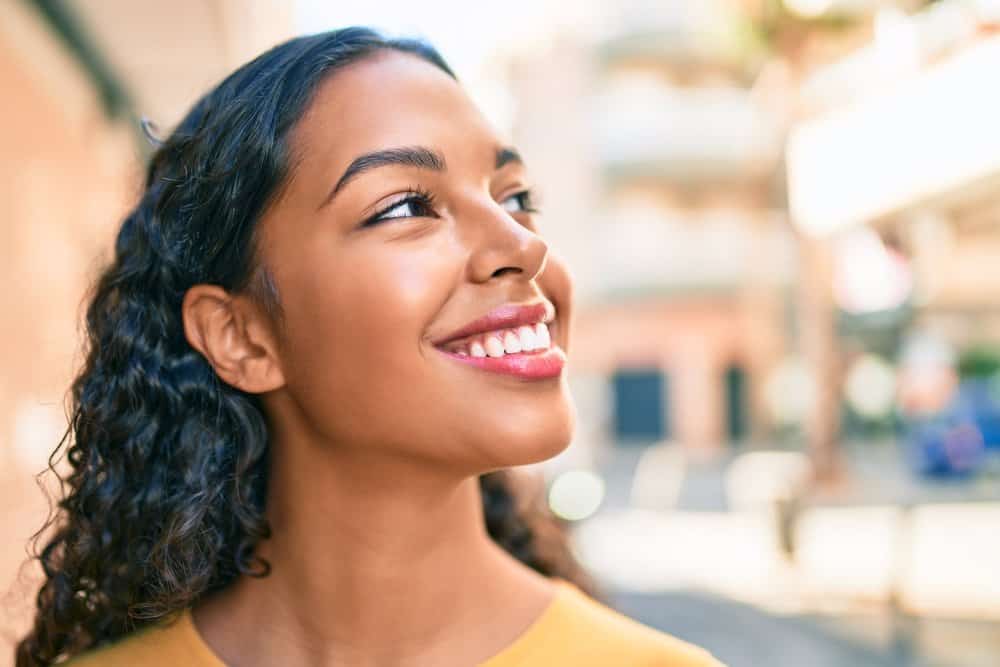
[353,338]
[358,365]
[556,283]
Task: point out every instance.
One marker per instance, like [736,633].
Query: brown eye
[414,205]
[519,202]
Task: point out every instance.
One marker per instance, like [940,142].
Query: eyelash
[526,198]
[415,196]
[425,200]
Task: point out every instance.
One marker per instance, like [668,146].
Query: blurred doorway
[736,403]
[641,404]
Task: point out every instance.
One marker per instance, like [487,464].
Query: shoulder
[606,636]
[167,643]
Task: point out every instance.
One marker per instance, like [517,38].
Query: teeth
[511,343]
[527,336]
[507,341]
[542,335]
[494,347]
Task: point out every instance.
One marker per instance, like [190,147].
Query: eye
[415,204]
[520,202]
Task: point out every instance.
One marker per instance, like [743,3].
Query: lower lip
[529,365]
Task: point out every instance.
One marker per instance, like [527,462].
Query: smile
[523,347]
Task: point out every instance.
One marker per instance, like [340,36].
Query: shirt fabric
[574,630]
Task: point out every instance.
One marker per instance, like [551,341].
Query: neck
[371,558]
[356,537]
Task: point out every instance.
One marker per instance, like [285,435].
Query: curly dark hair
[164,499]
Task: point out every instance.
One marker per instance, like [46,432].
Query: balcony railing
[685,135]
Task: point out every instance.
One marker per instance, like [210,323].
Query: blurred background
[784,221]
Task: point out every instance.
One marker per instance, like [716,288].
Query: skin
[379,549]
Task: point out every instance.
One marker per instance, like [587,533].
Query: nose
[504,246]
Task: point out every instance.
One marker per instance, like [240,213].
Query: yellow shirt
[574,630]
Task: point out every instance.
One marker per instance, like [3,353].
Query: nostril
[506,269]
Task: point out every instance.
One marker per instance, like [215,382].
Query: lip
[507,316]
[538,365]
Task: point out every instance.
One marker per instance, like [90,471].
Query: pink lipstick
[535,365]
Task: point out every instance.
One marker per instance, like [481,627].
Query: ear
[235,338]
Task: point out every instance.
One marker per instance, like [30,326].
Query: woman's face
[405,220]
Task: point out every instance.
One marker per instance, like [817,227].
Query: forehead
[390,99]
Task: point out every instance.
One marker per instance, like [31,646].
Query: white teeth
[527,336]
[511,343]
[494,347]
[507,341]
[542,338]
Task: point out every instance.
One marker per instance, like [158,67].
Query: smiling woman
[329,328]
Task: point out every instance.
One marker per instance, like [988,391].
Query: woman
[329,326]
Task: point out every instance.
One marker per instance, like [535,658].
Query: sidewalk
[719,579]
[742,636]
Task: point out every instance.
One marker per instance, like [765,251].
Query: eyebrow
[506,155]
[407,156]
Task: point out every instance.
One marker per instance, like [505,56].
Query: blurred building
[893,172]
[671,212]
[82,74]
[77,76]
[66,160]
[901,135]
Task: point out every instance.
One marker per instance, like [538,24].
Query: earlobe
[225,330]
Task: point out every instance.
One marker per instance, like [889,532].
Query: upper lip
[506,316]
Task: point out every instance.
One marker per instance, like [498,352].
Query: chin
[531,434]
[544,453]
